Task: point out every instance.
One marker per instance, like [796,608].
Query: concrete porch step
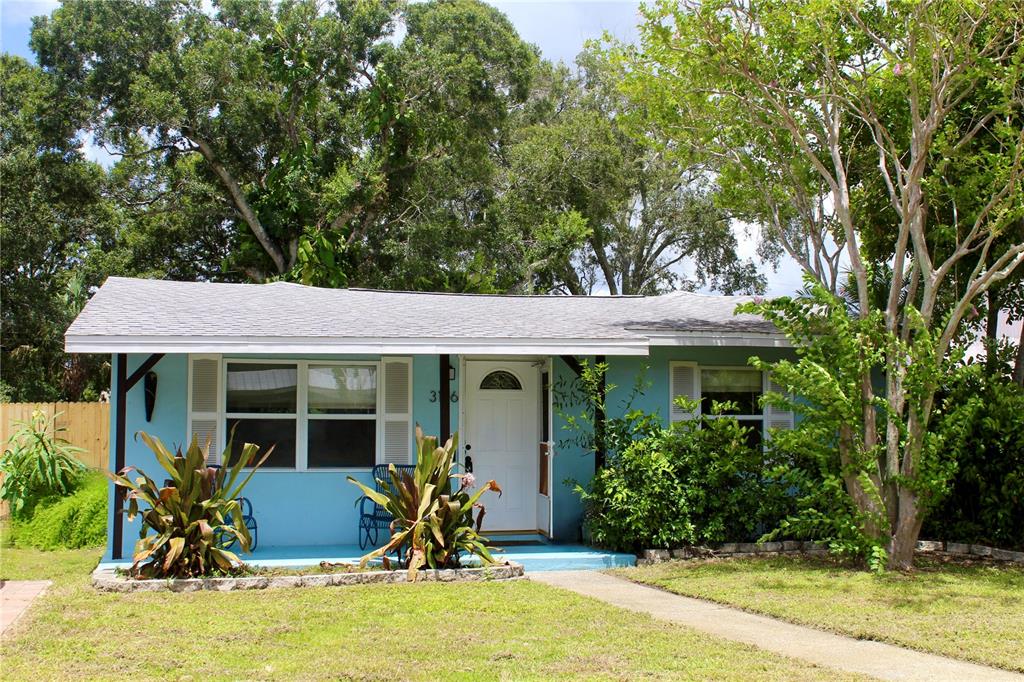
[533,557]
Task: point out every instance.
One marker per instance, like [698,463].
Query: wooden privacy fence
[87,425]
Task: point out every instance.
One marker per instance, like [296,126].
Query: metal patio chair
[372,516]
[250,523]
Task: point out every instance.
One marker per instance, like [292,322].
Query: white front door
[502,436]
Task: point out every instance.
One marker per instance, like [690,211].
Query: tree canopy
[377,143]
[862,136]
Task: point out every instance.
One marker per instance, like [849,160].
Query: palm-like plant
[38,462]
[193,518]
[433,524]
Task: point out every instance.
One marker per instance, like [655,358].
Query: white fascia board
[723,339]
[74,343]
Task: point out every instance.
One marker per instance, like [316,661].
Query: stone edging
[963,549]
[732,549]
[787,547]
[107,580]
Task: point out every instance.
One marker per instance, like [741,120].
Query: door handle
[468,464]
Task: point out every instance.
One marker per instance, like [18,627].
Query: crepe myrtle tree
[805,110]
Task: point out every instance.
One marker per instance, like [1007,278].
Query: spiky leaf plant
[188,523]
[433,524]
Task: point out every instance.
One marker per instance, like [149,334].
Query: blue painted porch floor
[540,557]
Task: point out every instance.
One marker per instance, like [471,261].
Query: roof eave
[748,339]
[75,343]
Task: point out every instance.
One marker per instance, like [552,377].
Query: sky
[558,27]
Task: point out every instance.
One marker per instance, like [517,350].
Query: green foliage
[433,524]
[51,207]
[327,143]
[835,456]
[194,516]
[829,126]
[979,420]
[37,463]
[71,522]
[640,210]
[697,482]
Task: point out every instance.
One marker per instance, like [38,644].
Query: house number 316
[454,398]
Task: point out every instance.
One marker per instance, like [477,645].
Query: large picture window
[316,415]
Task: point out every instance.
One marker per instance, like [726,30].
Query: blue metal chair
[372,516]
[250,523]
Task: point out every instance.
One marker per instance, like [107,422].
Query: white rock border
[108,580]
[797,547]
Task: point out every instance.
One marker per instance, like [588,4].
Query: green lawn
[969,612]
[516,630]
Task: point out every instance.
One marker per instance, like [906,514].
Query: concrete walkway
[15,597]
[824,649]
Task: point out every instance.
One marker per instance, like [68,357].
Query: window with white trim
[316,415]
[740,386]
[261,406]
[341,416]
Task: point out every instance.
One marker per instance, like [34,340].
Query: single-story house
[336,379]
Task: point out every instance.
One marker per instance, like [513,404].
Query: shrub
[194,517]
[980,422]
[37,465]
[433,525]
[78,520]
[699,481]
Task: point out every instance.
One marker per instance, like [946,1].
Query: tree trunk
[991,330]
[1018,365]
[904,537]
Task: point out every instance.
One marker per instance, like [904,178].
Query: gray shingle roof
[151,310]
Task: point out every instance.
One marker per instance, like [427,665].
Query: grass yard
[517,630]
[974,613]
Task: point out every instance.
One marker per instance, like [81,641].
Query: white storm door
[502,436]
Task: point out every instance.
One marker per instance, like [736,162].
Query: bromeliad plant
[433,524]
[194,516]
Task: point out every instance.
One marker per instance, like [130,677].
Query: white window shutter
[397,413]
[204,403]
[776,417]
[683,381]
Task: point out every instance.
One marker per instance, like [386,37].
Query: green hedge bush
[698,482]
[78,520]
[981,421]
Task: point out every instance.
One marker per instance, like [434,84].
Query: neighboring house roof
[144,315]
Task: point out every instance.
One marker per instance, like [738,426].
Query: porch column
[599,417]
[444,396]
[122,384]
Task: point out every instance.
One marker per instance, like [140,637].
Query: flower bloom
[468,480]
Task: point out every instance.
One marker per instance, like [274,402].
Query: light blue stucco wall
[573,462]
[317,507]
[168,424]
[291,507]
